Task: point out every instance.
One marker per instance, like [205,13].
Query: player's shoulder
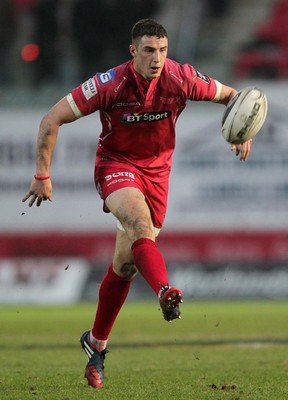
[179,71]
[113,76]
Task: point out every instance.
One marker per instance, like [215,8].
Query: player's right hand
[39,191]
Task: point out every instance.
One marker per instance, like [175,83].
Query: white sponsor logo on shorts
[119,174]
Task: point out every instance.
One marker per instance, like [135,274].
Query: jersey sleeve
[201,86]
[94,94]
[84,99]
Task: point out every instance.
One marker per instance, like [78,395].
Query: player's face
[149,54]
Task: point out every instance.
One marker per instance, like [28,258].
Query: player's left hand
[242,149]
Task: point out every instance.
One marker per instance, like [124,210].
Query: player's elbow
[48,125]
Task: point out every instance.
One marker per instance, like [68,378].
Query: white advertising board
[42,280]
[210,189]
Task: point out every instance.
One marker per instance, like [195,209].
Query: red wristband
[41,178]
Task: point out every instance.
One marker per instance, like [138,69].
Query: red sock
[150,263]
[112,294]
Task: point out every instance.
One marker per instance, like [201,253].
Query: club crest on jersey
[202,77]
[89,88]
[136,118]
[106,77]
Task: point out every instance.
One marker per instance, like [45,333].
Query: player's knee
[128,270]
[142,227]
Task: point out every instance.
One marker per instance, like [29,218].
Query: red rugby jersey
[138,116]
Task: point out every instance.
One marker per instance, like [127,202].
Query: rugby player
[139,103]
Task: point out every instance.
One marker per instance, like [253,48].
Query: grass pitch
[220,350]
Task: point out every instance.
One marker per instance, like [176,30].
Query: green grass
[221,350]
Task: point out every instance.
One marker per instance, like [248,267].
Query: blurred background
[226,232]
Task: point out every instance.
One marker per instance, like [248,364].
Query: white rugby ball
[244,115]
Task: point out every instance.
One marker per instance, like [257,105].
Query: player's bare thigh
[129,207]
[123,261]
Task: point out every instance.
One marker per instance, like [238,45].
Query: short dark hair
[147,27]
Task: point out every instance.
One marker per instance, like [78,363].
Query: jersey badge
[202,77]
[106,77]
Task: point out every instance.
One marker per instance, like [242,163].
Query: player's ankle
[97,344]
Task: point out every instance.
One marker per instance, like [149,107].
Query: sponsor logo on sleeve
[89,88]
[106,77]
[202,77]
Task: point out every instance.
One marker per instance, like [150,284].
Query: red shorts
[113,176]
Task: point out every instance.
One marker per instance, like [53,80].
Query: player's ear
[132,50]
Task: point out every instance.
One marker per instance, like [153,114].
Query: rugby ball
[244,115]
